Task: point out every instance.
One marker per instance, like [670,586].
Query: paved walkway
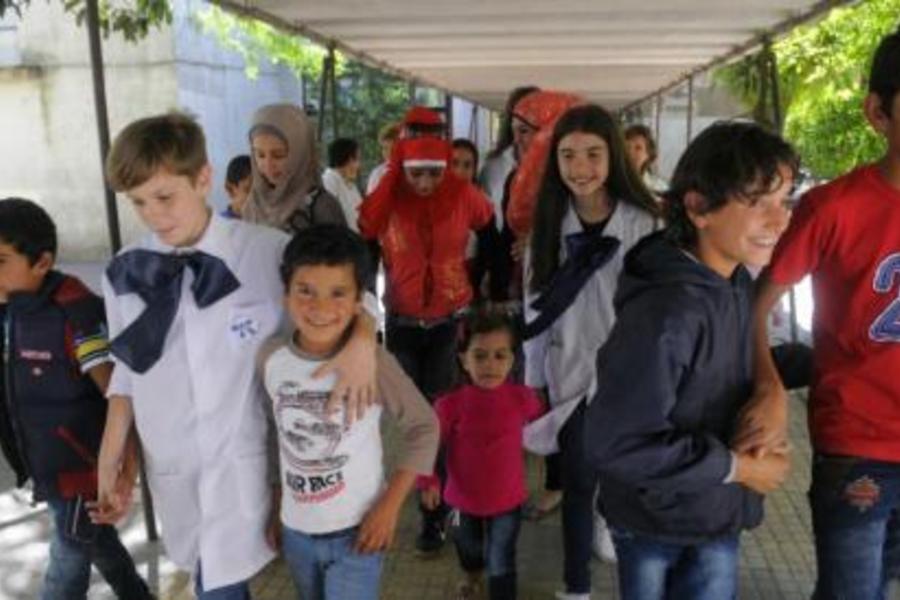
[777,559]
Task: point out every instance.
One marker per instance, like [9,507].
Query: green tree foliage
[367,98]
[133,21]
[258,42]
[822,71]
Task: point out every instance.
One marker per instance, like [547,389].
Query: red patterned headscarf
[541,110]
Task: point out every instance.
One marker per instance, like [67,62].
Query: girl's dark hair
[331,245]
[505,138]
[639,130]
[486,319]
[729,160]
[622,184]
[468,145]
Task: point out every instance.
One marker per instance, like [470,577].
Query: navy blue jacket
[672,378]
[44,388]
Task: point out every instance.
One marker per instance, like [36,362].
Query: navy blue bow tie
[586,252]
[156,278]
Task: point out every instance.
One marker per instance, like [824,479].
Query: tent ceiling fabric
[613,52]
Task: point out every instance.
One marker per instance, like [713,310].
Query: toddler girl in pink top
[481,435]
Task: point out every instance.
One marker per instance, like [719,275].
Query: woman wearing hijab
[421,214]
[287,191]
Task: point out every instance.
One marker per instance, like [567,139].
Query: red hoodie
[423,238]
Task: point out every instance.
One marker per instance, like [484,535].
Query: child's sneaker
[430,540]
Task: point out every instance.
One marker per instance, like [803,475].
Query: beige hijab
[273,206]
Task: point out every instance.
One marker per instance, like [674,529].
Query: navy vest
[45,390]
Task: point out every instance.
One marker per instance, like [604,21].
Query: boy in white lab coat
[189,306]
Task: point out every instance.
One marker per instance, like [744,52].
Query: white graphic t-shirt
[330,475]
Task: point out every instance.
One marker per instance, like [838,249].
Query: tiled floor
[777,559]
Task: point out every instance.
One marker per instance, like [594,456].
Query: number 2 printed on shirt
[886,328]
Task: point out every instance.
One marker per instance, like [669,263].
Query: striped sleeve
[91,348]
[87,336]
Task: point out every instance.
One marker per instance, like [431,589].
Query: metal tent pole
[332,83]
[777,120]
[690,109]
[100,109]
[323,95]
[658,117]
[112,213]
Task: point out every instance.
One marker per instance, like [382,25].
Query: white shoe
[568,596]
[602,545]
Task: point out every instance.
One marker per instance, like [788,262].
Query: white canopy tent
[613,52]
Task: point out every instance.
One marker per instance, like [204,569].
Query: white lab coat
[563,356]
[199,410]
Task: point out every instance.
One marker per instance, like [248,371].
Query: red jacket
[423,242]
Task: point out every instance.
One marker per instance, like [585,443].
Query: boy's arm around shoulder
[639,369]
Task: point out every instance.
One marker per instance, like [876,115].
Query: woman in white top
[339,179]
[591,208]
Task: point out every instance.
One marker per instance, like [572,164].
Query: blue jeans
[655,570]
[75,544]
[856,521]
[327,567]
[490,542]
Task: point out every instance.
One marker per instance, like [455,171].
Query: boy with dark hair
[339,517]
[342,151]
[676,370]
[339,179]
[238,177]
[53,372]
[189,306]
[846,235]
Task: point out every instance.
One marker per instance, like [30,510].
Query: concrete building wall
[50,151]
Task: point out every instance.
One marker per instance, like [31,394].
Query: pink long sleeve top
[481,432]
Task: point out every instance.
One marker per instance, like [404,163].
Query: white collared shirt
[199,410]
[346,193]
[563,356]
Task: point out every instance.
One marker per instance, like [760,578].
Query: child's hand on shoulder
[354,366]
[376,532]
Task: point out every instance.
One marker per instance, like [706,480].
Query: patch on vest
[39,355]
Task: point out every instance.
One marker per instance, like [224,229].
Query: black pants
[579,485]
[553,472]
[428,356]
